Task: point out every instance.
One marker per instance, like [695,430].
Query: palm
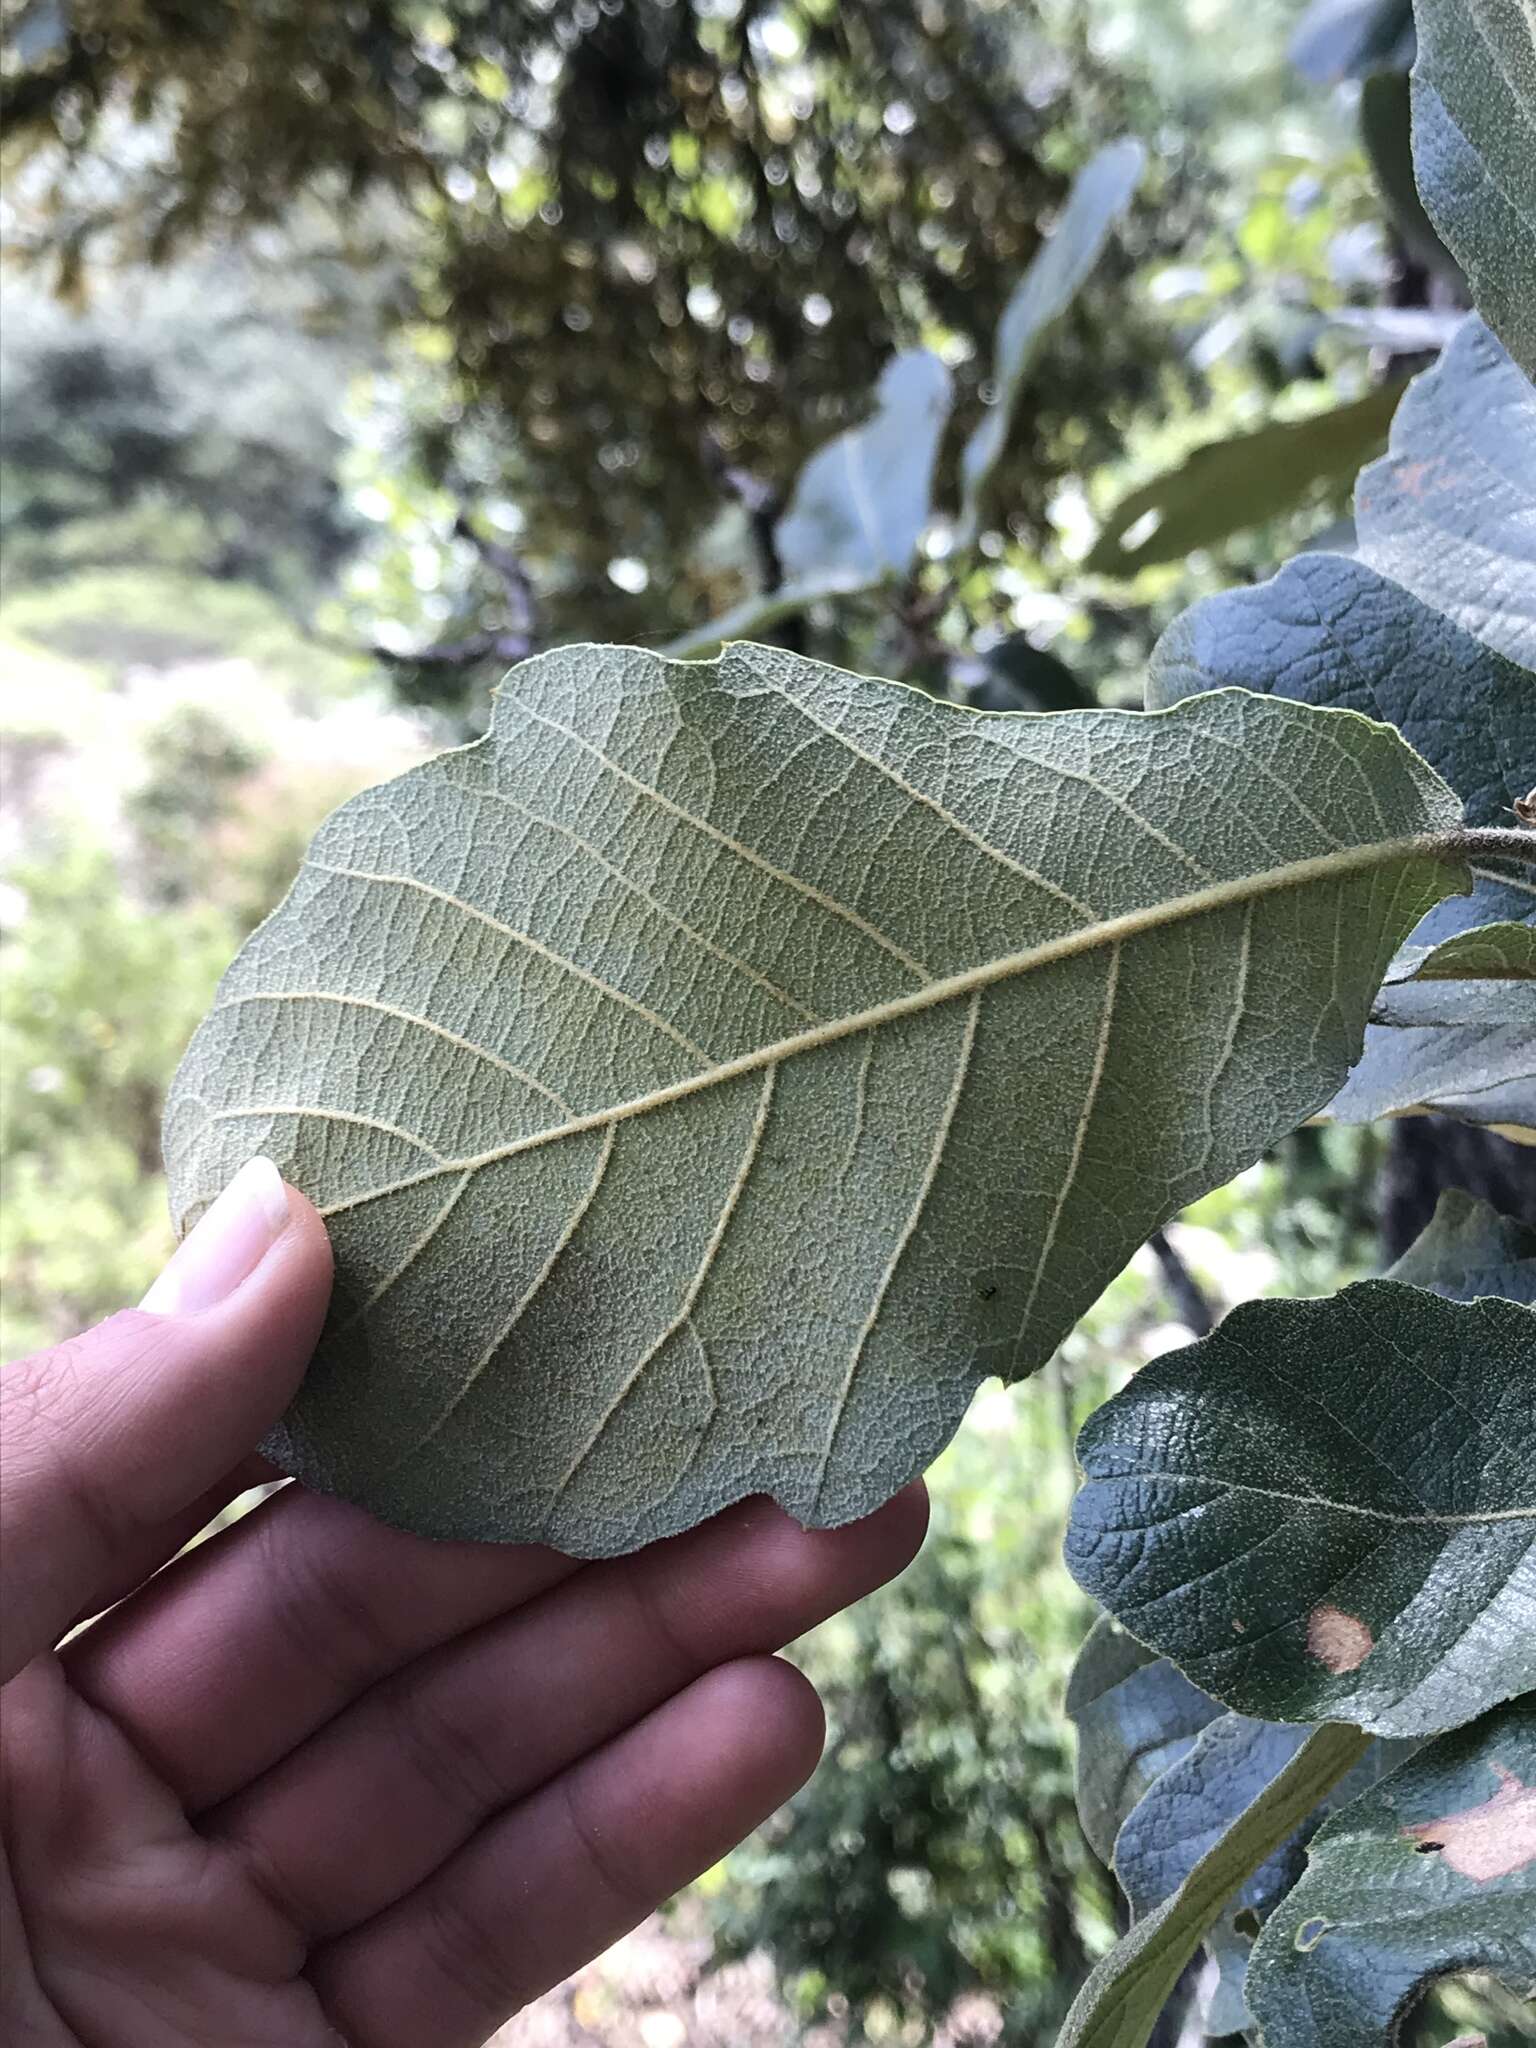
[323,1775]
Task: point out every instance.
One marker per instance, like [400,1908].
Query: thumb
[106,1438]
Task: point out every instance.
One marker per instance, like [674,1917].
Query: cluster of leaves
[650,242]
[722,975]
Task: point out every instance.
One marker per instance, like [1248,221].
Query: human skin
[317,1781]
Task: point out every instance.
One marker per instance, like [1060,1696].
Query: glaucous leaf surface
[1228,486]
[1468,1249]
[1126,1991]
[1329,629]
[1190,1807]
[1386,136]
[1100,195]
[859,505]
[1450,510]
[1327,1508]
[714,1073]
[1474,149]
[1433,1871]
[1477,1071]
[1135,1714]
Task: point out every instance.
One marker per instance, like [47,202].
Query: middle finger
[485,1720]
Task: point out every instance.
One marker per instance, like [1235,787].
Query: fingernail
[227,1244]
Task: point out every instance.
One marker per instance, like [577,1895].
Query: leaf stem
[1493,842]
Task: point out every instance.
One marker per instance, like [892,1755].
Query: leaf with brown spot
[1354,1479]
[1398,1915]
[1492,1840]
[1339,1640]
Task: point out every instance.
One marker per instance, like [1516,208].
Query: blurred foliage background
[351,350]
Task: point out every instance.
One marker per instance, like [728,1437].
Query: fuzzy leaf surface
[1430,1873]
[1135,1715]
[1329,629]
[1474,152]
[1327,1508]
[1450,509]
[656,1063]
[1190,1807]
[1126,1991]
[1468,1249]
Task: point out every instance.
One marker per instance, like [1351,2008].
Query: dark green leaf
[1450,510]
[1432,1872]
[1468,1249]
[1483,976]
[666,1115]
[1191,1806]
[1135,1714]
[1019,677]
[1329,629]
[1327,1508]
[1385,135]
[1474,147]
[1230,485]
[1120,2003]
[1099,197]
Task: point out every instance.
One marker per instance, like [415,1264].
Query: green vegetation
[347,365]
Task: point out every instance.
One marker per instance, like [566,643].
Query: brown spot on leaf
[1338,1640]
[1483,1842]
[1525,808]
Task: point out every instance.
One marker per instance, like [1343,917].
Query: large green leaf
[1332,630]
[1135,1715]
[1327,1508]
[1431,1873]
[1450,510]
[1099,197]
[1468,1249]
[1230,485]
[1120,2003]
[1474,147]
[657,1063]
[859,505]
[1185,1813]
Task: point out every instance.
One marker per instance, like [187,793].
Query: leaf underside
[1468,1249]
[713,1074]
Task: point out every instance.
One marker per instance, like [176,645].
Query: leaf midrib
[949,988]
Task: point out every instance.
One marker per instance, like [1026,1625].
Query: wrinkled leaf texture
[714,1073]
[1327,1509]
[1430,1873]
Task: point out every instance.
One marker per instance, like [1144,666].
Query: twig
[1188,1297]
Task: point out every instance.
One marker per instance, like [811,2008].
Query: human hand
[318,1780]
